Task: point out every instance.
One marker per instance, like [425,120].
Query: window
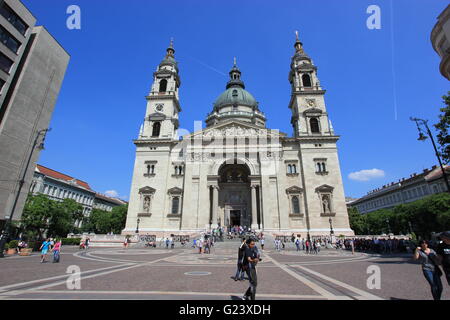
[8,40]
[295,205]
[13,18]
[306,79]
[314,123]
[289,168]
[5,63]
[175,205]
[320,165]
[156,129]
[163,85]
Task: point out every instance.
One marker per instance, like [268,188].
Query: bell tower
[163,107]
[309,114]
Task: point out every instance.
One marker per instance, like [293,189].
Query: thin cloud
[366,175]
[112,193]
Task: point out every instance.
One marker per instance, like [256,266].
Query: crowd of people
[376,245]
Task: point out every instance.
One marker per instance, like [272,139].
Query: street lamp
[389,227]
[423,137]
[331,227]
[6,231]
[137,226]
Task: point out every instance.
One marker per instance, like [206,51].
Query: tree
[36,213]
[103,222]
[42,215]
[443,127]
[118,218]
[357,221]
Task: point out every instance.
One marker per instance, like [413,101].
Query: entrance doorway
[235,217]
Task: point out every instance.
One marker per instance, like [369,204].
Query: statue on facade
[147,204]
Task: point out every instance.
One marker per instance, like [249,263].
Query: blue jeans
[434,280]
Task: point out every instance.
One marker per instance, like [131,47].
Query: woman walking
[57,251]
[430,267]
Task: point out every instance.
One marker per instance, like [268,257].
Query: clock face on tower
[159,107]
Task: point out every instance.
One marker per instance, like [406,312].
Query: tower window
[306,79]
[163,85]
[314,123]
[156,129]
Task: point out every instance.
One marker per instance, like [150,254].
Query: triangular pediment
[175,190]
[324,188]
[235,128]
[147,190]
[294,189]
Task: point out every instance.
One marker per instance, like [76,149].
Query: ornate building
[236,171]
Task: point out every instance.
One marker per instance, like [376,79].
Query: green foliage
[102,222]
[13,244]
[42,214]
[6,246]
[430,214]
[356,221]
[71,241]
[443,127]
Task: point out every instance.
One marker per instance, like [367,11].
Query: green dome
[235,95]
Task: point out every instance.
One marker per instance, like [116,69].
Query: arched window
[314,123]
[175,205]
[294,168]
[324,169]
[295,205]
[156,129]
[306,79]
[289,168]
[163,85]
[319,167]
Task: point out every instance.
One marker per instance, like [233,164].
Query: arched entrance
[234,195]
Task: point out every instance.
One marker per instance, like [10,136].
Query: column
[254,209]
[215,206]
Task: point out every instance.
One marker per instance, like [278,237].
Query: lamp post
[137,226]
[389,227]
[423,137]
[6,231]
[331,227]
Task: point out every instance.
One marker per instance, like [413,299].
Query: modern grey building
[417,186]
[440,38]
[32,68]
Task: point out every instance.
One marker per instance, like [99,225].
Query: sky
[375,78]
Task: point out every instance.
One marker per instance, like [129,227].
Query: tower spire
[170,49]
[298,44]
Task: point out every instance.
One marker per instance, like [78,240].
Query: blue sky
[367,74]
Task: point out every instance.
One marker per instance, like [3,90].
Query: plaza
[184,274]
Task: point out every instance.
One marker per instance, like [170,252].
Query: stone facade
[236,171]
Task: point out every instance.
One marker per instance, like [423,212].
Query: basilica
[236,171]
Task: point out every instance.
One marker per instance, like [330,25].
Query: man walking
[251,258]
